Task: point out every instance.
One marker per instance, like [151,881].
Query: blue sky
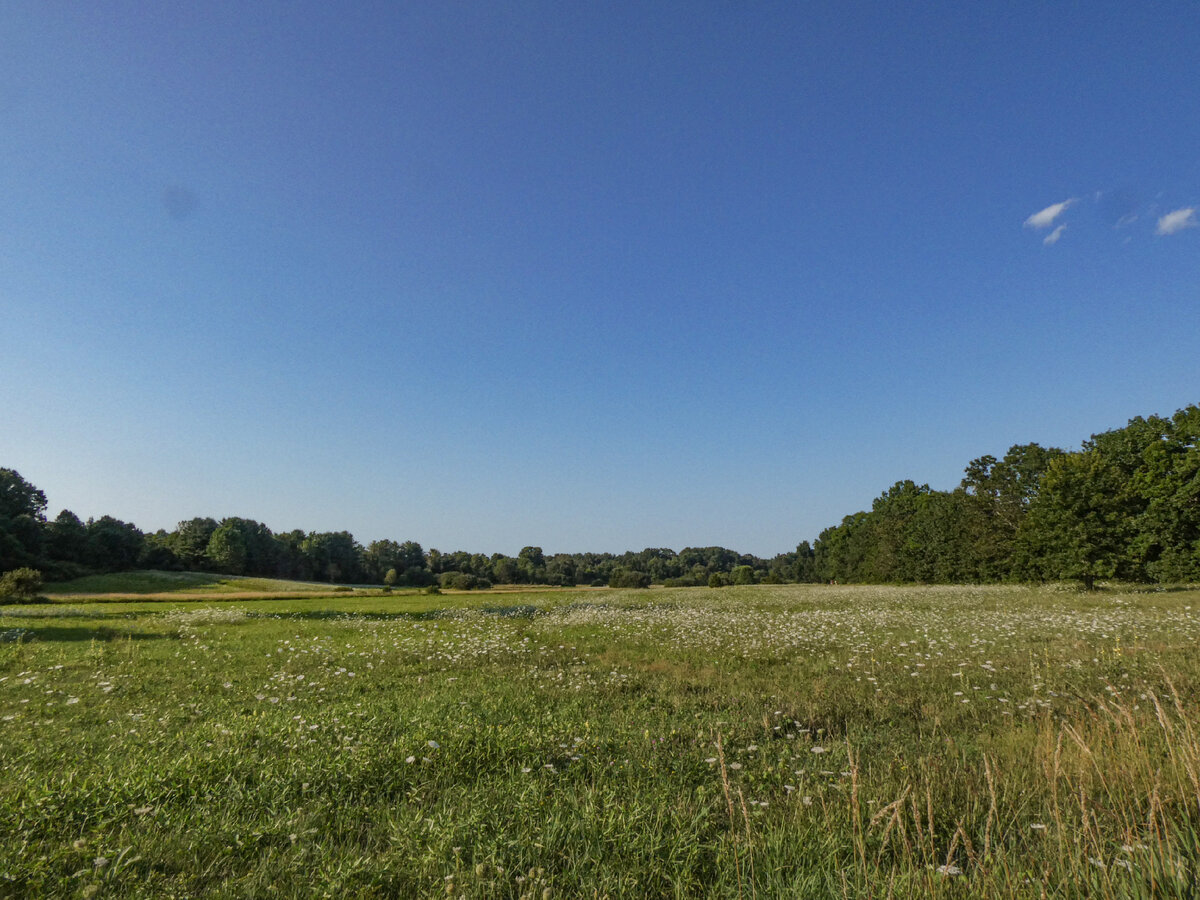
[587,276]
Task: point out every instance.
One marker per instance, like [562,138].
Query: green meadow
[760,741]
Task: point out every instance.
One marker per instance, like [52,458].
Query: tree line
[66,547]
[1125,505]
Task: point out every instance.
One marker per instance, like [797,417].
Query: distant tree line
[1125,505]
[66,547]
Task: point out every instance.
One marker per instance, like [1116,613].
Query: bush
[20,585]
[57,570]
[742,575]
[716,579]
[628,578]
[463,581]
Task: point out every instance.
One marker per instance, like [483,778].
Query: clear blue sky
[590,276]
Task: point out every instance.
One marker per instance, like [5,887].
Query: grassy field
[155,585]
[787,741]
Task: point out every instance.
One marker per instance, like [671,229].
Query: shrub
[742,575]
[56,570]
[628,578]
[716,579]
[20,585]
[463,581]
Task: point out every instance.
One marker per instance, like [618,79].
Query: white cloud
[1177,221]
[1052,237]
[1046,217]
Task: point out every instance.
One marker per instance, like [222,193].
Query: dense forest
[1126,505]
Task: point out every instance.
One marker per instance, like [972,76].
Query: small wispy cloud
[1045,218]
[1177,221]
[1052,238]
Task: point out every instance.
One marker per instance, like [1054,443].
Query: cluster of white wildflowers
[185,618]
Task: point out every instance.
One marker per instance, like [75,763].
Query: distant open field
[189,586]
[156,585]
[770,741]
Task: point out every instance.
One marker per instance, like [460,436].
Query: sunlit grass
[151,581]
[769,741]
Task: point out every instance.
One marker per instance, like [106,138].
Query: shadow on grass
[43,613]
[522,610]
[65,633]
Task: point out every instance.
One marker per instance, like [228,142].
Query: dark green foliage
[406,561]
[505,569]
[333,556]
[742,575]
[65,539]
[799,566]
[292,562]
[112,545]
[243,547]
[20,585]
[531,564]
[463,581]
[1079,525]
[190,542]
[628,578]
[1126,505]
[1168,539]
[226,550]
[158,552]
[997,495]
[22,516]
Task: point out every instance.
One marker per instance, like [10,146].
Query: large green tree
[406,559]
[190,541]
[22,515]
[1168,534]
[243,546]
[66,539]
[226,550]
[333,556]
[1079,524]
[113,545]
[998,494]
